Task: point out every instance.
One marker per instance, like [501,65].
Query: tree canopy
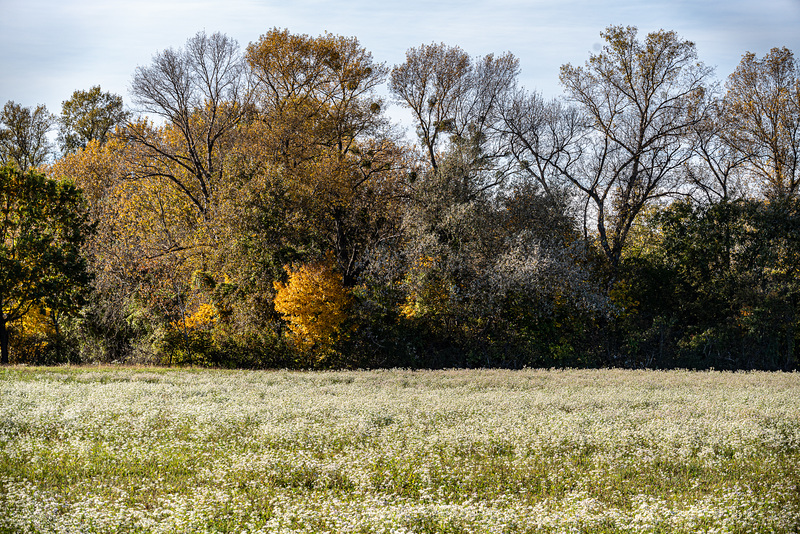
[23,135]
[88,116]
[43,224]
[258,206]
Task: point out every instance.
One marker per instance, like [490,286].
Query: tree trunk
[790,359]
[3,341]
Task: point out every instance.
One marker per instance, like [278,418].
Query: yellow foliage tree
[320,117]
[428,290]
[314,302]
[762,106]
[204,318]
[31,335]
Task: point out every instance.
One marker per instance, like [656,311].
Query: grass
[154,450]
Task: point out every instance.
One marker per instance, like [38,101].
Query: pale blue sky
[49,48]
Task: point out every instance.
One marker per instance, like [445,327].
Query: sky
[50,48]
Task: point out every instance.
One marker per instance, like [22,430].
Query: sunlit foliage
[314,302]
[257,207]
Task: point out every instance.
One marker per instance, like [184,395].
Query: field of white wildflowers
[151,450]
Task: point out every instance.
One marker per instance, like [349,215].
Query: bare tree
[717,172]
[542,137]
[625,142]
[201,91]
[453,98]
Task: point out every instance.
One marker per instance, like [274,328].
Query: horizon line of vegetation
[273,216]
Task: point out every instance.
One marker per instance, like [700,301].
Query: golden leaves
[204,318]
[314,302]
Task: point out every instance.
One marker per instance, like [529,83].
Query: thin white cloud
[49,48]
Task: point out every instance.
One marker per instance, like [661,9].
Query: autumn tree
[89,115]
[23,135]
[115,252]
[144,250]
[322,122]
[762,107]
[628,145]
[183,170]
[43,224]
[201,93]
[315,92]
[314,302]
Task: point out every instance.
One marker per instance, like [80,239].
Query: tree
[487,265]
[718,286]
[630,143]
[452,97]
[89,115]
[762,105]
[116,251]
[717,172]
[315,93]
[321,121]
[43,224]
[172,199]
[201,91]
[23,136]
[149,240]
[314,303]
[543,138]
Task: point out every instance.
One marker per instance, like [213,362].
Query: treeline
[259,209]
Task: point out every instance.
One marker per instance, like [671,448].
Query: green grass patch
[113,450]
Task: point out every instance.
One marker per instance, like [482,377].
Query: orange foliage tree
[314,302]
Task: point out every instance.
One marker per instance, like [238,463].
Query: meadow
[113,450]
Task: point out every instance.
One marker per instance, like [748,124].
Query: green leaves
[23,135]
[43,224]
[89,115]
[724,277]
